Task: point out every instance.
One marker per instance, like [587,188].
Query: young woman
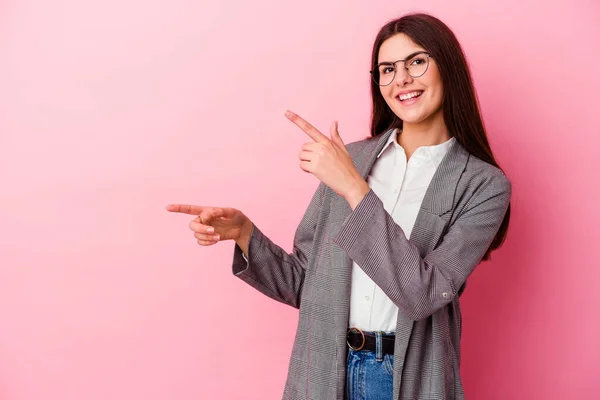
[398,223]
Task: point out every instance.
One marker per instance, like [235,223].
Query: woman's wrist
[357,193]
[243,240]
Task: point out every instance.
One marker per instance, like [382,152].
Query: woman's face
[399,95]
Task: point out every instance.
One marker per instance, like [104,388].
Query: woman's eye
[387,70]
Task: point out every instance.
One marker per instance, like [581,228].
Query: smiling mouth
[411,95]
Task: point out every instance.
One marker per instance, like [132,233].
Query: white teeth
[409,95]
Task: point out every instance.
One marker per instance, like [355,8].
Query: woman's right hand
[213,224]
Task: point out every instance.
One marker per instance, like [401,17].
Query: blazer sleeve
[270,269]
[421,286]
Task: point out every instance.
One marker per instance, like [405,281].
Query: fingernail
[288,113]
[210,229]
[216,237]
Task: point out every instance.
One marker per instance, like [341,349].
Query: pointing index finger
[306,127]
[185,209]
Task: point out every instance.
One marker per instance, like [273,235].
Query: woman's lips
[407,99]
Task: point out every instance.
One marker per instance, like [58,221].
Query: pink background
[112,109]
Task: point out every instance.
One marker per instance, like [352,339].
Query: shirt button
[367,298]
[445,295]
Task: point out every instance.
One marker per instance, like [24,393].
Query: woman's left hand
[330,162]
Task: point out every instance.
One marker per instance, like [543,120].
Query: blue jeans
[369,375]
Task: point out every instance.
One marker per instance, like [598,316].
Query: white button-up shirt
[401,187]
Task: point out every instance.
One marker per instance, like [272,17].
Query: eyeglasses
[416,65]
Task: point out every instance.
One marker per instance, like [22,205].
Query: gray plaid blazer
[424,276]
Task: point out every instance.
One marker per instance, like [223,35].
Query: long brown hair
[460,103]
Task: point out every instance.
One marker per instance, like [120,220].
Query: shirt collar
[391,139]
[436,152]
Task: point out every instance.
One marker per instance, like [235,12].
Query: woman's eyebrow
[405,58]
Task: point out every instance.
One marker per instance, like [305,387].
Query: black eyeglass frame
[411,56]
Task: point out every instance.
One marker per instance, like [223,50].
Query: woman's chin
[411,119]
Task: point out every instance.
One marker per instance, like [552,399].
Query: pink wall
[112,109]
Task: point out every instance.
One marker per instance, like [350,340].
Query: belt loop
[378,347]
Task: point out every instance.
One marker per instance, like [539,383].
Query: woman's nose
[402,77]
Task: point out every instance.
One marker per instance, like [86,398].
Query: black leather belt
[359,340]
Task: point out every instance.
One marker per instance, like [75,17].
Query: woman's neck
[426,133]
